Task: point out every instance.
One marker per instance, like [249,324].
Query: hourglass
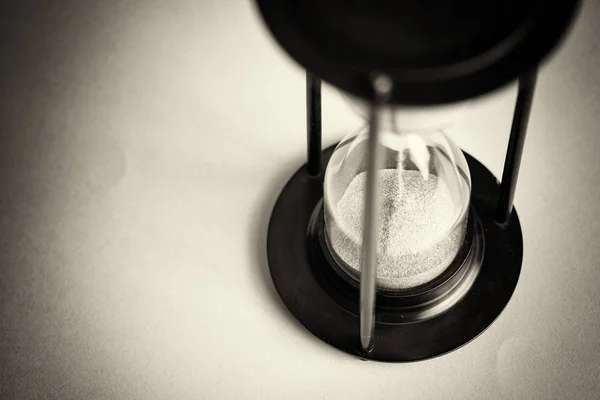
[404,247]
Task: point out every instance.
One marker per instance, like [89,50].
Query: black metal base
[410,325]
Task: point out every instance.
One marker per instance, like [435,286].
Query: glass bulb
[424,189]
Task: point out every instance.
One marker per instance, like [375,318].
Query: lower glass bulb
[424,191]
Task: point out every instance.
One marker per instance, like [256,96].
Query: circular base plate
[300,290]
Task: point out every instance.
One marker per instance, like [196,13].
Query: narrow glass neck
[412,119]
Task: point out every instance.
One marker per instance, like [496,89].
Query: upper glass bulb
[424,191]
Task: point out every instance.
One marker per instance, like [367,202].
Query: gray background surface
[142,146]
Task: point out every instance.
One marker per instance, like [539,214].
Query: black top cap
[434,51]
